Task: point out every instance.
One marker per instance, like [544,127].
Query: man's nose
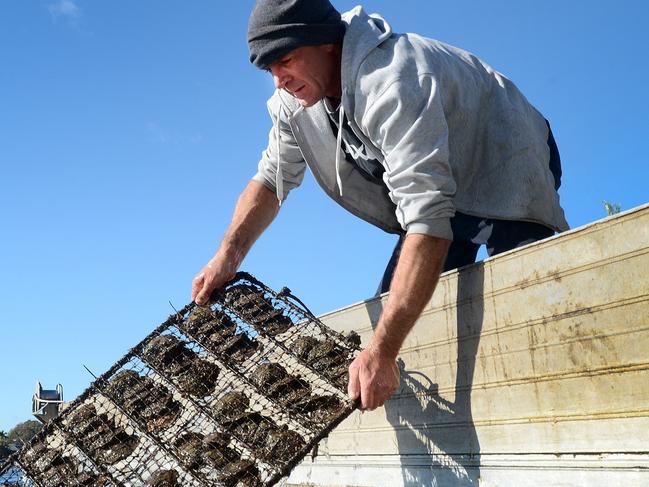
[279,78]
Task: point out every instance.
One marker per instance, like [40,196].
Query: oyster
[144,399]
[35,452]
[273,379]
[282,445]
[324,350]
[205,323]
[330,359]
[294,393]
[199,378]
[238,347]
[231,406]
[249,301]
[59,472]
[252,428]
[83,419]
[190,449]
[194,375]
[353,339]
[320,409]
[277,323]
[242,473]
[218,333]
[253,306]
[200,316]
[267,374]
[89,479]
[289,389]
[195,450]
[217,452]
[163,478]
[100,437]
[303,345]
[50,468]
[166,352]
[217,440]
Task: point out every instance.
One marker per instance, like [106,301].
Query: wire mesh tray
[234,394]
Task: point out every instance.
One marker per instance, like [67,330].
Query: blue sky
[127,130]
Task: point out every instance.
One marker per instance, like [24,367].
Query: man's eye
[285,61]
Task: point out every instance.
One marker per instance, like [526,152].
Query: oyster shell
[253,306]
[100,437]
[190,449]
[242,473]
[217,452]
[231,406]
[267,374]
[252,428]
[193,374]
[282,445]
[163,478]
[204,323]
[144,399]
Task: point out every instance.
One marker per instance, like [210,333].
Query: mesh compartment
[235,394]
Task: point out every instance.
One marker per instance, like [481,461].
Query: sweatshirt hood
[363,34]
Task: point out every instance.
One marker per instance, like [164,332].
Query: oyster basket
[234,394]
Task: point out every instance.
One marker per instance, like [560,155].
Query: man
[419,138]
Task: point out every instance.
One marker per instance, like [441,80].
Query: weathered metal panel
[531,368]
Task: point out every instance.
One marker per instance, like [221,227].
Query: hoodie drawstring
[339,143]
[279,176]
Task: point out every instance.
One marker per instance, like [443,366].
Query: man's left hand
[373,376]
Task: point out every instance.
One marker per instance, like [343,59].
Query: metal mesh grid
[235,394]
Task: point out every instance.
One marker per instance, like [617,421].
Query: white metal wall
[531,368]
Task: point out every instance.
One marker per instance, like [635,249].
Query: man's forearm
[415,277]
[373,375]
[255,210]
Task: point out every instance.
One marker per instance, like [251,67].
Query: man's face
[308,73]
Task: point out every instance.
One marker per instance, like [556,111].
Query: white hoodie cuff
[260,178]
[438,227]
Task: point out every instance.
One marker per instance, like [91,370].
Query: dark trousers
[469,232]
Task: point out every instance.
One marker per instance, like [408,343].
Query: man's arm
[255,210]
[373,375]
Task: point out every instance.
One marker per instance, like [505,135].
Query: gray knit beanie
[276,27]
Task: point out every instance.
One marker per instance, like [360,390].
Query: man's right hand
[217,272]
[256,208]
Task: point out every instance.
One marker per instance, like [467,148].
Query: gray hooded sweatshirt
[451,132]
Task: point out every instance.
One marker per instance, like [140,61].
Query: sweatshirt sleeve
[287,152]
[406,121]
